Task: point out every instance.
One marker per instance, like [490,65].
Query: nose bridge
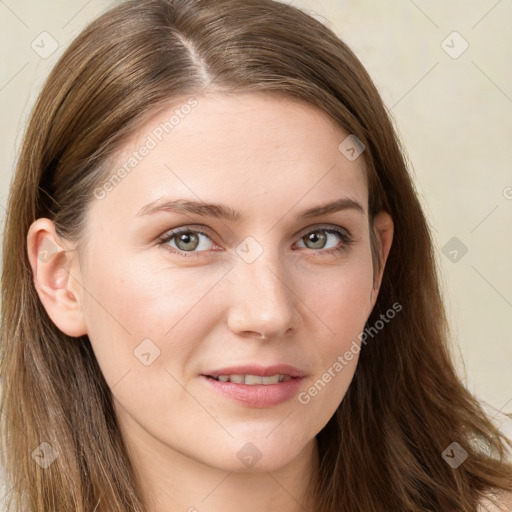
[263,299]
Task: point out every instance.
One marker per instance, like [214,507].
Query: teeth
[252,380]
[274,379]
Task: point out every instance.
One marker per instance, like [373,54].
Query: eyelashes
[185,234]
[189,235]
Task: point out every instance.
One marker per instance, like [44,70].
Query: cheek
[133,302]
[342,304]
[340,296]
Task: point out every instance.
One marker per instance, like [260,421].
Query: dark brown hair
[381,451]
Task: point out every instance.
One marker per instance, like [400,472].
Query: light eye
[320,238]
[187,240]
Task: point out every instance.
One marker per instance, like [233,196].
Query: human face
[161,314]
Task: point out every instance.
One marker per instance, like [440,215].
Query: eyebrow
[225,212]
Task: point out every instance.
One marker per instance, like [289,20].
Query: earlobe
[55,271]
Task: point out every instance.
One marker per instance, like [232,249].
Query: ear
[56,271]
[383,229]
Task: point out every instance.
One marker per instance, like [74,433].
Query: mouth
[252,380]
[256,386]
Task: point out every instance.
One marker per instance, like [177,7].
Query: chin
[257,453]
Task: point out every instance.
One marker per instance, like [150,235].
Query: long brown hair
[382,449]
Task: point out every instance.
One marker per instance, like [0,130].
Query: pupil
[317,238]
[186,239]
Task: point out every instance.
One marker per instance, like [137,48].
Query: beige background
[454,116]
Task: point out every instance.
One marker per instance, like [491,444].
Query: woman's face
[166,313]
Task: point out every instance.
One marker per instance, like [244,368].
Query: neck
[173,482]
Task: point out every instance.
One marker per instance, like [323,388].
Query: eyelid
[163,239]
[209,232]
[327,227]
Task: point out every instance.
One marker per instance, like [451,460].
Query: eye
[320,238]
[188,242]
[185,240]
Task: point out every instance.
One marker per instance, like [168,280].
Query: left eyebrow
[341,204]
[225,212]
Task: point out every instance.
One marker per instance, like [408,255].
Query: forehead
[255,152]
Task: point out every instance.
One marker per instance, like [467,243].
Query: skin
[270,158]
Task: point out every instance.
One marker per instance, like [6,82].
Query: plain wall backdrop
[444,71]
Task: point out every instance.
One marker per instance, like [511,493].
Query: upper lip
[264,371]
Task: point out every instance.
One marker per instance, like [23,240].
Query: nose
[262,299]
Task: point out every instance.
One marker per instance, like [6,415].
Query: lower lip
[258,395]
